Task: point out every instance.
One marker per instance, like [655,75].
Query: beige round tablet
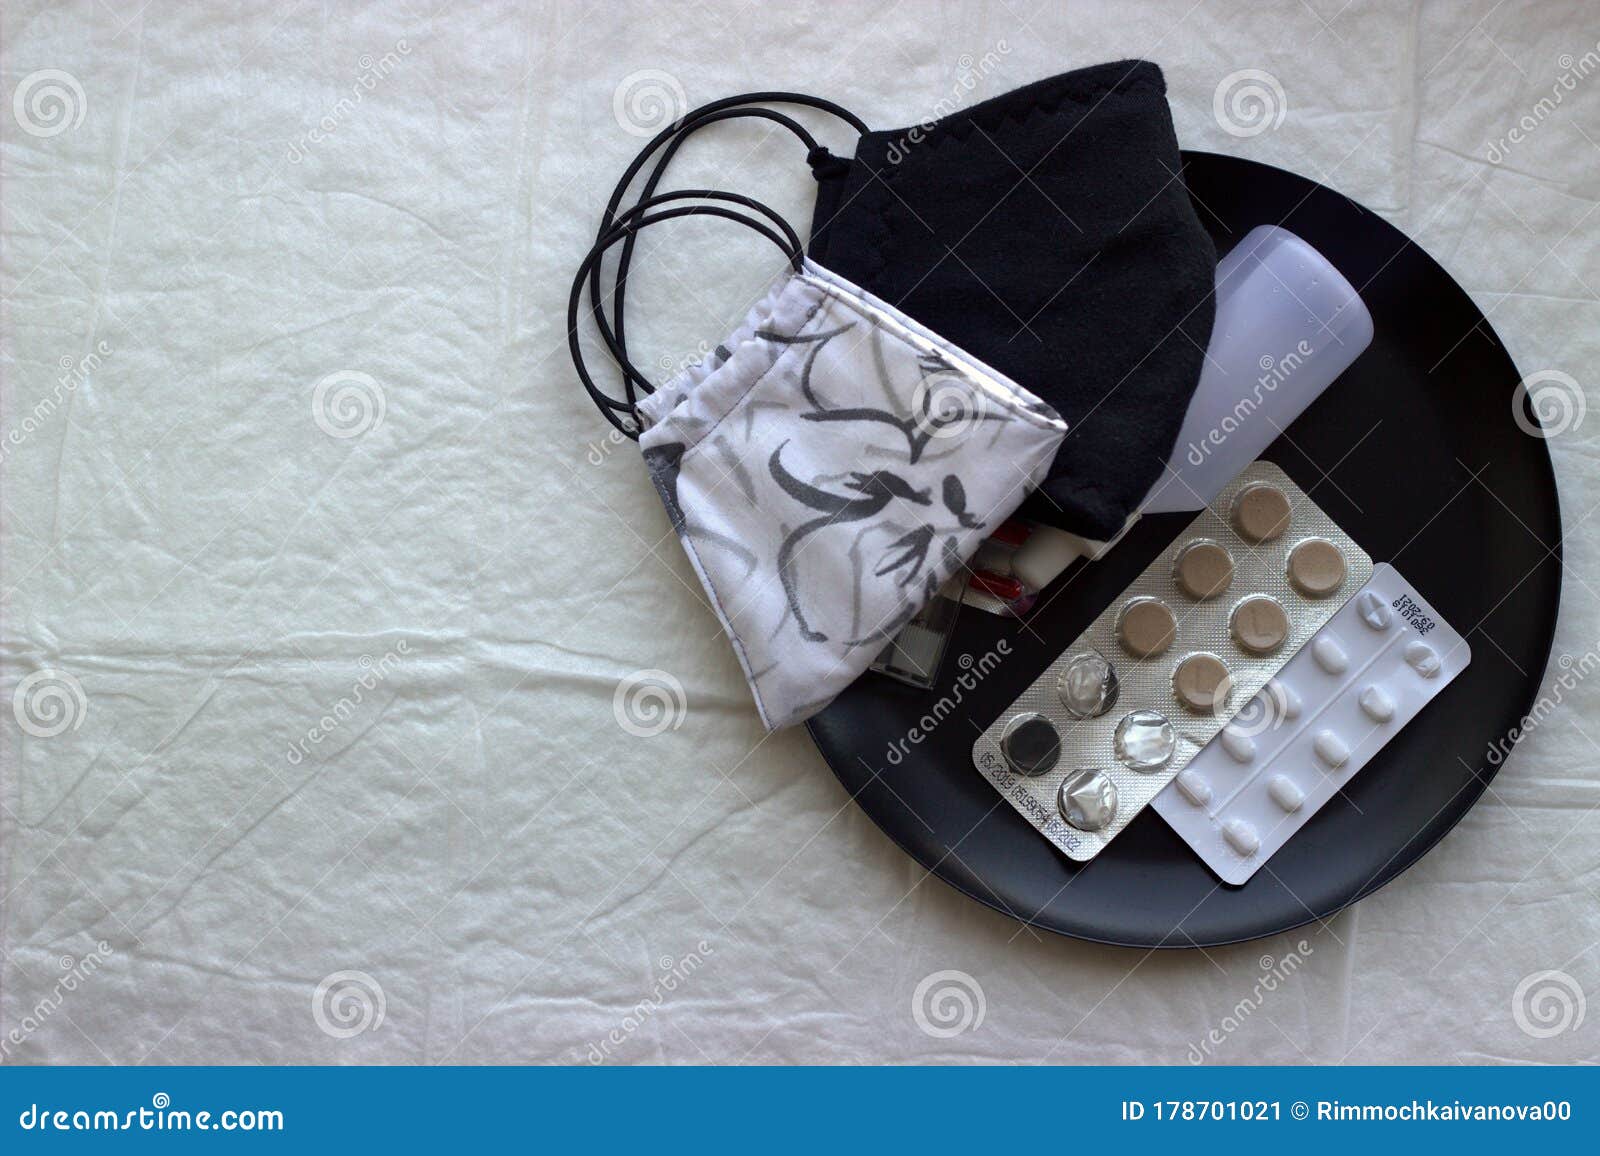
[1260,624]
[1146,627]
[1316,567]
[1261,512]
[1203,570]
[1201,682]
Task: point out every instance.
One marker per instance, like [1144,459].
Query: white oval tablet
[1241,836]
[1422,658]
[1373,610]
[1331,749]
[1238,744]
[1376,704]
[1193,786]
[1286,793]
[1330,655]
[1285,697]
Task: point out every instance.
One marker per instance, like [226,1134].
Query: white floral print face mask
[826,470]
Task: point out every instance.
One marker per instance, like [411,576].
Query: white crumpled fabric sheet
[348,577]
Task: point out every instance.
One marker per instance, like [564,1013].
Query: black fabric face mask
[1048,231]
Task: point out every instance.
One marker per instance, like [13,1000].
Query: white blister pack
[1366,674]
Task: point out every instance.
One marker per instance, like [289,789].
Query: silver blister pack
[1159,672]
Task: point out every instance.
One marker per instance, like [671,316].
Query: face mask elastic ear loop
[630,222]
[626,225]
[673,137]
[816,156]
[789,243]
[690,125]
[691,120]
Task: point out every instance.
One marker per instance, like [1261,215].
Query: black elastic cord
[627,225]
[673,138]
[690,124]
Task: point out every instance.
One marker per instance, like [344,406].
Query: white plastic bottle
[1288,324]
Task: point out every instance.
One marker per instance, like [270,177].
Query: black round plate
[1415,452]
